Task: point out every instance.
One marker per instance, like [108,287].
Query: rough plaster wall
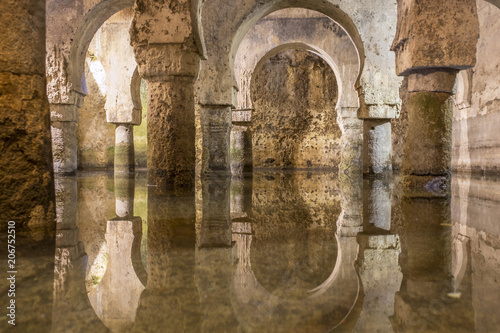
[294,122]
[476,137]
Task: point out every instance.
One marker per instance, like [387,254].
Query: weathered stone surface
[95,137]
[399,126]
[123,104]
[226,25]
[64,146]
[27,192]
[171,152]
[293,125]
[435,34]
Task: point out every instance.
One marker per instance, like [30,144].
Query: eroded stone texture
[418,46]
[293,124]
[27,193]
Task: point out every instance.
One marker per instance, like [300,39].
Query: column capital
[67,111]
[167,62]
[432,80]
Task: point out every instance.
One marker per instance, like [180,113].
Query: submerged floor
[275,252]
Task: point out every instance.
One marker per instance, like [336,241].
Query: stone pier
[169,62]
[427,162]
[63,125]
[27,190]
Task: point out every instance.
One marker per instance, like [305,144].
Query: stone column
[377,142]
[164,39]
[377,146]
[377,205]
[350,160]
[427,163]
[27,190]
[431,61]
[216,127]
[124,148]
[123,106]
[241,142]
[63,120]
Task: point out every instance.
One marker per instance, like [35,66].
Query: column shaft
[124,148]
[216,126]
[427,163]
[377,146]
[171,132]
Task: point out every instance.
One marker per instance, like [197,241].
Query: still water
[275,252]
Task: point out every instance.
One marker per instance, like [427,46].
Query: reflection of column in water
[241,197]
[241,149]
[377,204]
[170,302]
[351,220]
[116,298]
[214,256]
[124,194]
[426,300]
[70,296]
[216,221]
[377,261]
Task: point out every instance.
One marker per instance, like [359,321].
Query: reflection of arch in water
[255,306]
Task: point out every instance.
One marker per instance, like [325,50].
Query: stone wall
[476,116]
[294,124]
